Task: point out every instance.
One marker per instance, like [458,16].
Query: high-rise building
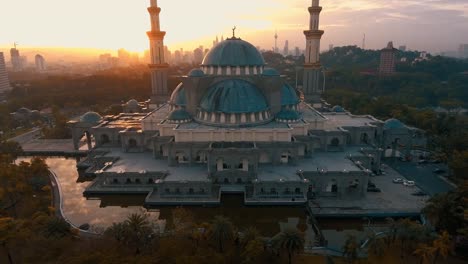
[330,47]
[276,43]
[159,67]
[4,81]
[387,60]
[463,51]
[312,67]
[198,56]
[402,48]
[297,52]
[286,48]
[40,63]
[15,58]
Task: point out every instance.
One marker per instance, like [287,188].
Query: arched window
[150,181]
[132,143]
[364,138]
[128,181]
[105,139]
[137,181]
[115,181]
[297,191]
[335,142]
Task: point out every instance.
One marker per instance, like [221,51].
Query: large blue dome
[288,95]
[91,117]
[234,52]
[234,96]
[393,124]
[178,96]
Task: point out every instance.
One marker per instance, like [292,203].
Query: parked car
[373,189]
[371,185]
[423,161]
[439,171]
[398,180]
[409,183]
[420,193]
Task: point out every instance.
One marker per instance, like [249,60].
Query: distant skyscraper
[330,47]
[387,60]
[159,67]
[286,48]
[16,59]
[276,43]
[463,51]
[297,52]
[40,63]
[198,56]
[4,81]
[312,66]
[402,48]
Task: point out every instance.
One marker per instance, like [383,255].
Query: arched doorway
[132,143]
[105,139]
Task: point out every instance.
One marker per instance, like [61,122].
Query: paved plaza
[394,200]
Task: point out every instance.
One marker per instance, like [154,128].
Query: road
[423,175]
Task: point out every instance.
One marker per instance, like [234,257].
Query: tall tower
[159,67]
[312,66]
[276,42]
[4,81]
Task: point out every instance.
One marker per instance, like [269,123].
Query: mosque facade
[234,125]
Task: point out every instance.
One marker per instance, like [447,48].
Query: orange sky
[111,24]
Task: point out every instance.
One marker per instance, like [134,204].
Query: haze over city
[434,25]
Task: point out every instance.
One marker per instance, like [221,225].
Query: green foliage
[222,232]
[290,241]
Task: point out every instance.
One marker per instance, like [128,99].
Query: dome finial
[234,32]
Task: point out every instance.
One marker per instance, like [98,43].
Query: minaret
[276,42]
[159,67]
[312,66]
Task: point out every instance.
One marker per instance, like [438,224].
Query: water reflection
[110,209]
[78,210]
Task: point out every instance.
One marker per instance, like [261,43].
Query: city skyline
[433,25]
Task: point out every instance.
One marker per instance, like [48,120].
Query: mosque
[233,125]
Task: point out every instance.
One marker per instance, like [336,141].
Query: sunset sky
[433,25]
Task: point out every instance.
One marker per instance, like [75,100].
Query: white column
[243,118]
[228,70]
[238,70]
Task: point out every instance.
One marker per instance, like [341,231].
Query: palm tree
[222,231]
[7,225]
[442,246]
[249,234]
[292,241]
[138,230]
[425,253]
[376,245]
[350,249]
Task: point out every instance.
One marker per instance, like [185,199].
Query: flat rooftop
[269,126]
[136,162]
[328,161]
[124,121]
[348,120]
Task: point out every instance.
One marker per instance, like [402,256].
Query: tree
[376,245]
[7,226]
[446,211]
[222,231]
[291,241]
[425,253]
[350,248]
[135,232]
[442,246]
[57,228]
[252,251]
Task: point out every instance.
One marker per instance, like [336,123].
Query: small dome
[196,73]
[133,103]
[234,96]
[234,52]
[338,109]
[393,124]
[288,95]
[24,111]
[178,96]
[91,117]
[289,115]
[179,115]
[270,72]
